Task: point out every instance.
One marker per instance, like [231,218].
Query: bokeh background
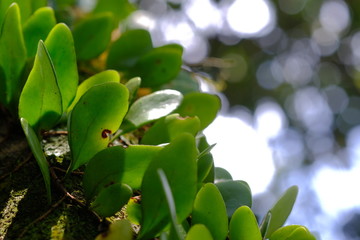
[288,73]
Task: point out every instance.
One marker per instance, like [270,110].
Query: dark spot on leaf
[105,133]
[158,61]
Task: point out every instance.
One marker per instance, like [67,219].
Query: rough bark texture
[23,197]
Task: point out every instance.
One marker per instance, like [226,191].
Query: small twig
[54,133]
[27,159]
[52,208]
[64,171]
[63,189]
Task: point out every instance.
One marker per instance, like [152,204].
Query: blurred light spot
[312,110]
[274,42]
[206,16]
[241,151]
[335,188]
[334,16]
[351,115]
[297,70]
[250,18]
[266,75]
[270,119]
[182,32]
[337,98]
[319,144]
[292,6]
[157,7]
[328,41]
[288,150]
[142,19]
[355,50]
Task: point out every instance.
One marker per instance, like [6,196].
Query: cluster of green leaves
[182,194]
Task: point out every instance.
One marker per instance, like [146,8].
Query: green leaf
[243,225]
[37,27]
[168,128]
[209,209]
[91,120]
[205,162]
[222,174]
[36,149]
[133,211]
[178,159]
[282,209]
[92,35]
[175,232]
[133,86]
[118,230]
[292,232]
[265,224]
[126,51]
[199,231]
[120,8]
[185,82]
[26,8]
[102,77]
[151,107]
[204,106]
[235,195]
[137,159]
[104,169]
[111,199]
[40,100]
[60,45]
[159,66]
[12,57]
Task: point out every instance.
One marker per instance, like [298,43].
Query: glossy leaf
[92,35]
[36,149]
[168,128]
[40,100]
[102,77]
[159,66]
[92,120]
[243,225]
[151,107]
[204,106]
[222,174]
[133,86]
[12,57]
[282,209]
[126,51]
[37,27]
[292,232]
[104,169]
[178,159]
[111,199]
[137,159]
[235,195]
[199,231]
[120,8]
[60,45]
[117,230]
[209,209]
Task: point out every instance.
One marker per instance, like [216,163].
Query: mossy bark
[23,198]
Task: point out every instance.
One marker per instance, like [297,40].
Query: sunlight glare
[250,18]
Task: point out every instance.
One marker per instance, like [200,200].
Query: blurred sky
[309,72]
